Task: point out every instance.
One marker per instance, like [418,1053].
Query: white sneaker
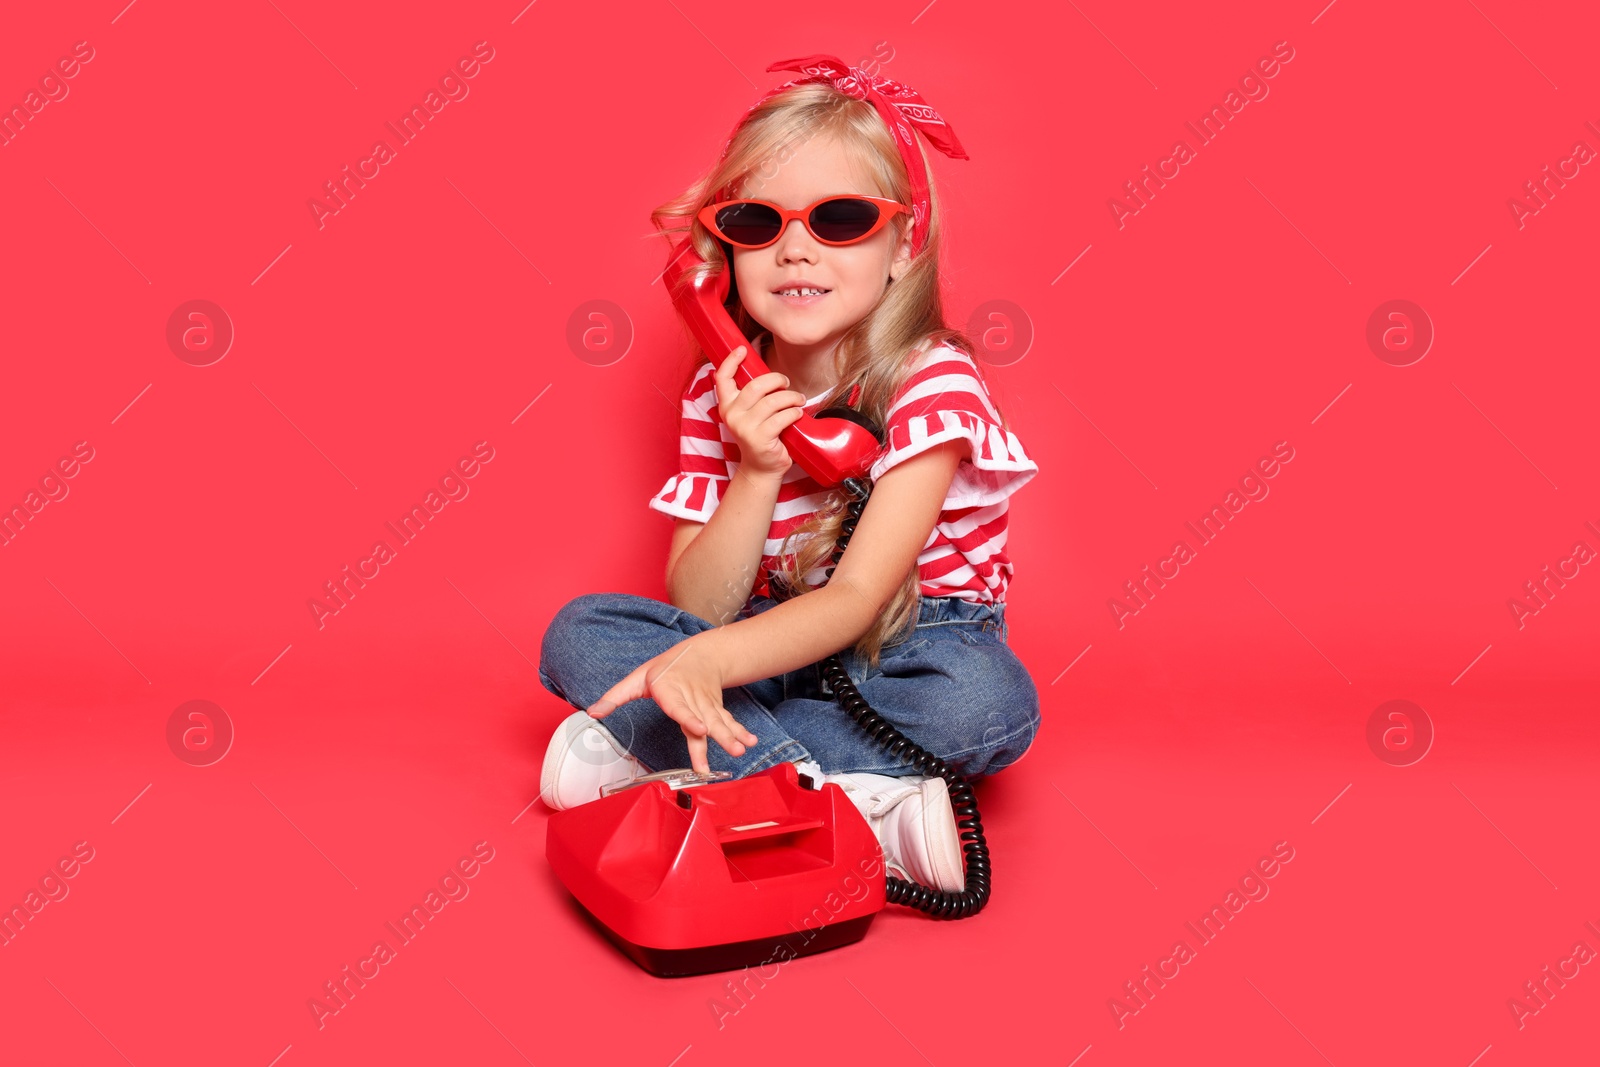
[583,758]
[915,825]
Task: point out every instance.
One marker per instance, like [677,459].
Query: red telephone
[688,875]
[834,445]
[837,447]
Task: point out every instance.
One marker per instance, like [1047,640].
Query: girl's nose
[796,243]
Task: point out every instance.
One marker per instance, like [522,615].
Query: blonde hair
[878,352]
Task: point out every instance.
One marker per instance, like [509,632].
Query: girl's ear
[902,257]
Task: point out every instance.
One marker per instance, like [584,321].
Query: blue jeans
[953,686]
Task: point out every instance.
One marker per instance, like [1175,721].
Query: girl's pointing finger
[630,688]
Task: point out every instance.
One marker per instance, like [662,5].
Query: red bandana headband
[901,108]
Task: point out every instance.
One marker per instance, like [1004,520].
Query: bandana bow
[902,109]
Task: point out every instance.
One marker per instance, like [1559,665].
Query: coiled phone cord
[941,904]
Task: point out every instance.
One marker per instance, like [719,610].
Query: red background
[433,309]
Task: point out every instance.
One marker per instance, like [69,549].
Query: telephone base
[763,954]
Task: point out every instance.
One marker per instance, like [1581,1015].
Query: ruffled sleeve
[945,399]
[696,490]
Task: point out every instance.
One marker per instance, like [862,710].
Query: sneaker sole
[943,836]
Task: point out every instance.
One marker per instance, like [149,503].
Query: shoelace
[880,802]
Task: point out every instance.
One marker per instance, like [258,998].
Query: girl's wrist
[766,481]
[710,650]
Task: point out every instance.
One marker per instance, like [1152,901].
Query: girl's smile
[801,295]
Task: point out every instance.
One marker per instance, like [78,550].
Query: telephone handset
[835,445]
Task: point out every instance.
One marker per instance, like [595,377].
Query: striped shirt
[943,399]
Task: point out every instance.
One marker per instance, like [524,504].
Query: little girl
[843,299]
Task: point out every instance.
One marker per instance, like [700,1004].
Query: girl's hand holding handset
[756,415]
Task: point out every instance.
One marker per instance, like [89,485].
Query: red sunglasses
[833,220]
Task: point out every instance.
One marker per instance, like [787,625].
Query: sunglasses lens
[843,219]
[749,224]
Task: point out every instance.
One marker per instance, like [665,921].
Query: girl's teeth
[802,292]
